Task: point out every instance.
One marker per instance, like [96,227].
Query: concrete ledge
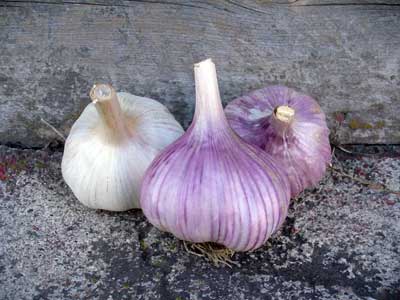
[341,241]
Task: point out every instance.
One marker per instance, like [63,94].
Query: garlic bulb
[111,145]
[289,126]
[210,185]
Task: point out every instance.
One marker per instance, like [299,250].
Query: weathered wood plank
[345,2]
[51,52]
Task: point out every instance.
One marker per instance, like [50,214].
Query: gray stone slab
[344,53]
[340,241]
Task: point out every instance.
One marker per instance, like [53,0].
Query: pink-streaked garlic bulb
[210,185]
[289,126]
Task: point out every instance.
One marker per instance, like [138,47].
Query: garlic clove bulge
[288,125]
[111,145]
[210,185]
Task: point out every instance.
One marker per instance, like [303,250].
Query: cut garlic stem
[106,102]
[284,113]
[283,117]
[207,95]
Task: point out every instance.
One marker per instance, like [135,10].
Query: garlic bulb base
[216,253]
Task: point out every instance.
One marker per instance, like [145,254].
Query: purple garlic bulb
[289,126]
[212,186]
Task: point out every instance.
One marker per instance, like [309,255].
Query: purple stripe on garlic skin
[212,186]
[299,143]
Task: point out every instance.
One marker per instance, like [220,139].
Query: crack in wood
[346,4]
[295,3]
[61,3]
[104,4]
[245,7]
[170,3]
[10,6]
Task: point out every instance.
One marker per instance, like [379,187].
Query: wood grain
[344,53]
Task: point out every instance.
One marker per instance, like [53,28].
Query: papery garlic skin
[210,185]
[104,163]
[288,125]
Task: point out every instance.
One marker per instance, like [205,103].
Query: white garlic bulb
[111,145]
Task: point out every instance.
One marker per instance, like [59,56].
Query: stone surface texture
[340,241]
[344,53]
